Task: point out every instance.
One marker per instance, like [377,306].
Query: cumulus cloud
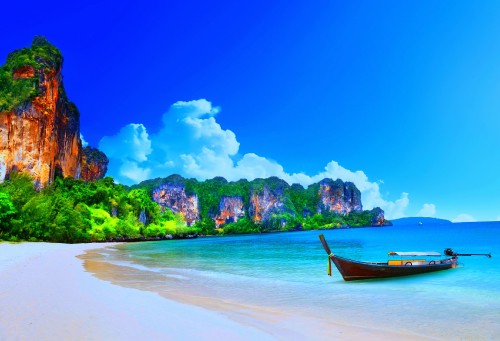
[395,209]
[190,128]
[192,143]
[131,170]
[463,218]
[130,144]
[84,143]
[427,210]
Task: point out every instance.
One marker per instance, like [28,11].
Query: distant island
[420,221]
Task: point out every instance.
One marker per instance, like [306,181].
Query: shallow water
[287,272]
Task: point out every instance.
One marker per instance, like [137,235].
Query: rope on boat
[329,268]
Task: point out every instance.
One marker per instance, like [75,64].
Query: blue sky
[403,98]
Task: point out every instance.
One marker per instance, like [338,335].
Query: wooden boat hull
[352,270]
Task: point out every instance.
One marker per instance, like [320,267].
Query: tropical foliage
[73,211]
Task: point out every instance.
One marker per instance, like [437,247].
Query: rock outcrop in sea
[378,218]
[39,126]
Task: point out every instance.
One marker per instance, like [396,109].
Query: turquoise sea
[287,272]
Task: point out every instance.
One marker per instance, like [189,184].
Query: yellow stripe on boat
[404,261]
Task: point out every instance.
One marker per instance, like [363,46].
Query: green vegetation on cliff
[291,222]
[209,192]
[94,155]
[298,208]
[74,211]
[41,55]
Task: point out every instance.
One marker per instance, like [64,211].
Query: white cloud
[127,151]
[192,143]
[253,166]
[84,143]
[395,209]
[463,218]
[191,109]
[427,210]
[205,164]
[132,171]
[131,143]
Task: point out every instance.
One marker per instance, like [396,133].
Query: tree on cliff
[18,81]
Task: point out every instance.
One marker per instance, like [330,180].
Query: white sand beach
[45,294]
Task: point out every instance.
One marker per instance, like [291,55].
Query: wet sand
[48,293]
[277,322]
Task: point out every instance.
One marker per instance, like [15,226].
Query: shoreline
[275,321]
[47,294]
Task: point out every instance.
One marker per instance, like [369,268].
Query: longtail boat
[409,263]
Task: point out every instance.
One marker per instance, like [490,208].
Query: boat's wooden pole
[325,245]
[330,255]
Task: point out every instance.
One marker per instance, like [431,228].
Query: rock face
[378,218]
[173,196]
[94,164]
[266,202]
[270,203]
[39,126]
[338,196]
[231,208]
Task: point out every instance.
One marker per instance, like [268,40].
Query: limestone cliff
[271,204]
[378,217]
[338,196]
[94,164]
[266,201]
[231,208]
[173,195]
[39,128]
